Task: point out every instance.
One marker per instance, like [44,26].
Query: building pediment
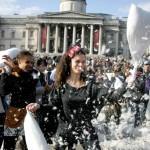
[67,15]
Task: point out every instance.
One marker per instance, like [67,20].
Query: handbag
[14,117]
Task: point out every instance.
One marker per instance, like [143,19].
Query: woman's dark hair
[63,67]
[41,61]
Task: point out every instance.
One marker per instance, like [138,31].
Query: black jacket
[21,89]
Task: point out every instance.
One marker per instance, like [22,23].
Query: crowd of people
[66,93]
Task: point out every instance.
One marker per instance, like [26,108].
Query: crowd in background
[103,71]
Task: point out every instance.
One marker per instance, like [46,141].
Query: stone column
[91,39]
[100,40]
[117,43]
[82,36]
[27,39]
[39,39]
[74,35]
[56,39]
[65,39]
[125,46]
[48,39]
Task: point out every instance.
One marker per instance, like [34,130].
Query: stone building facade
[53,32]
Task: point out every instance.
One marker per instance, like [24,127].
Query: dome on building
[73,5]
[73,0]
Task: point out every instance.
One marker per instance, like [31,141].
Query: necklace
[78,84]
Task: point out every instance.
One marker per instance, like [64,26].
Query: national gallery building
[53,32]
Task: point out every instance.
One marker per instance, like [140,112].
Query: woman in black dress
[77,101]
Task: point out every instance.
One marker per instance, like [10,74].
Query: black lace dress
[77,107]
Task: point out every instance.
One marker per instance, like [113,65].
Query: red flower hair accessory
[73,50]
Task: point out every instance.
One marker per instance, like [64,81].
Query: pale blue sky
[118,8]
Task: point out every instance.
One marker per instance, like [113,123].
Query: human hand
[9,61]
[129,82]
[33,107]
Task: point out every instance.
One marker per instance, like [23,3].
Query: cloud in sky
[10,7]
[34,10]
[144,5]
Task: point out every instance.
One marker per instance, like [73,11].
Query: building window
[23,34]
[11,46]
[13,34]
[120,37]
[31,47]
[3,34]
[31,33]
[71,6]
[2,47]
[22,46]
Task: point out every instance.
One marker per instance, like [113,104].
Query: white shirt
[52,75]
